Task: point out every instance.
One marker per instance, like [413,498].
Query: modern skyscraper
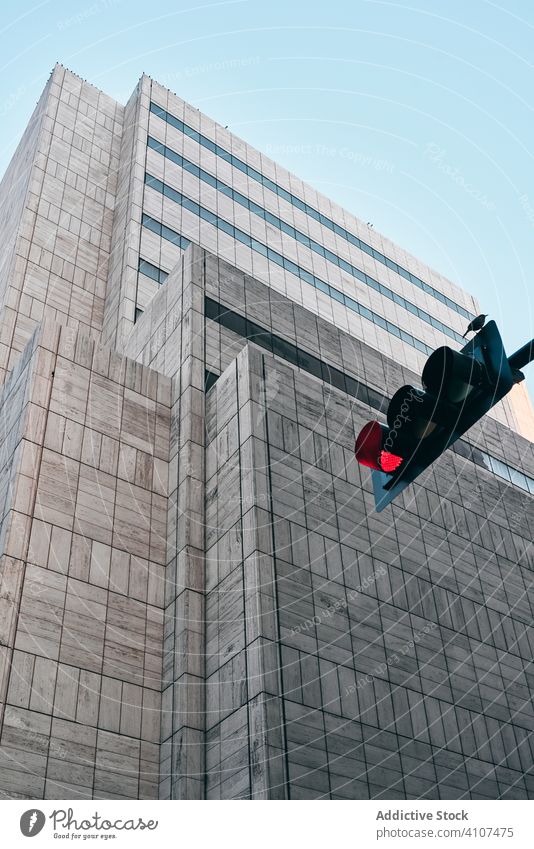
[197,599]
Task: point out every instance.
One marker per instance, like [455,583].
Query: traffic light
[458,388]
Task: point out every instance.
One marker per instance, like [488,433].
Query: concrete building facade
[198,600]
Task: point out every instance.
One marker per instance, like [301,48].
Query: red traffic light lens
[389,462]
[369,451]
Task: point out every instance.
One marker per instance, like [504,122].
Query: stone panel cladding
[83,482]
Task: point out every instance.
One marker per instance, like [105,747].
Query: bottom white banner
[309,825]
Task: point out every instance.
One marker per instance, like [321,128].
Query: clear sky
[417,116]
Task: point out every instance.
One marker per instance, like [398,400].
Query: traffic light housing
[459,387]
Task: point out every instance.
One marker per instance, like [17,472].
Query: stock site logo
[32,822]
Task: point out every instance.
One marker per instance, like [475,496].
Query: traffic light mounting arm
[523,356]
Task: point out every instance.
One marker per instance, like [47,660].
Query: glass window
[302,238]
[149,270]
[209,216]
[225,226]
[337,379]
[158,110]
[259,335]
[309,363]
[234,322]
[500,469]
[321,285]
[212,309]
[209,380]
[285,349]
[352,305]
[393,329]
[518,478]
[290,266]
[299,204]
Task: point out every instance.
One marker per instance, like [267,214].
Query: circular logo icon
[32,822]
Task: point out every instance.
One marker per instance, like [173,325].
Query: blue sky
[415,116]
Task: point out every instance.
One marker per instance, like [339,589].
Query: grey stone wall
[401,641]
[82,578]
[64,211]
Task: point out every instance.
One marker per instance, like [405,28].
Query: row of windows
[292,353]
[198,172]
[285,263]
[502,470]
[319,368]
[165,232]
[305,207]
[152,271]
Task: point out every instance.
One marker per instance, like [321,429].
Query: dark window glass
[209,216]
[323,287]
[210,379]
[352,305]
[285,349]
[353,386]
[309,363]
[212,309]
[290,266]
[150,270]
[334,376]
[232,321]
[225,226]
[158,110]
[261,249]
[376,399]
[259,335]
[157,145]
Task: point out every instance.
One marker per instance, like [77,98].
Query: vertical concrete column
[119,308]
[267,747]
[182,764]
